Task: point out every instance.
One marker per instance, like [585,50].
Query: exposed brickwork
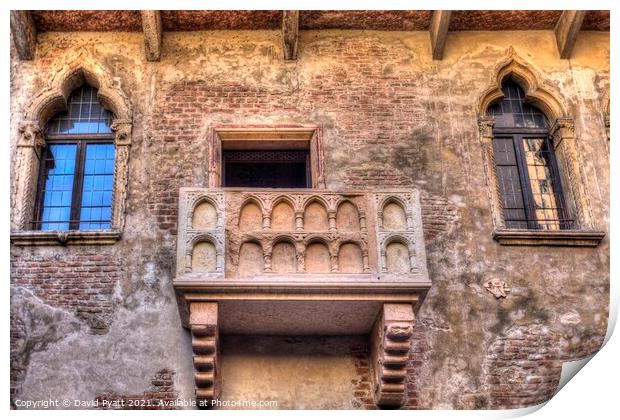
[523,367]
[161,395]
[81,283]
[385,177]
[362,382]
[19,362]
[419,351]
[438,216]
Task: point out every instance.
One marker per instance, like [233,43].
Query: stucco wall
[391,117]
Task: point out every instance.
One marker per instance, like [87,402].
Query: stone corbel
[390,345]
[203,319]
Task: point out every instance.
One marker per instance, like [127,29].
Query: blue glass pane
[58,189]
[84,115]
[96,205]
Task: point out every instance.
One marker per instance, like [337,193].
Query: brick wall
[80,283]
[362,382]
[161,395]
[523,367]
[417,356]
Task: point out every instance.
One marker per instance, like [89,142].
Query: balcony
[301,262]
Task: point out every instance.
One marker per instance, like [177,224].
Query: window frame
[81,141]
[518,134]
[544,95]
[222,137]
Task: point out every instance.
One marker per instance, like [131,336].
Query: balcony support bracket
[204,326]
[390,343]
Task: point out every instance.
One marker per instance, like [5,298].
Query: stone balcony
[301,262]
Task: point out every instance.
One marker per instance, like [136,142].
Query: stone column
[331,215]
[571,177]
[485,128]
[299,220]
[122,143]
[25,175]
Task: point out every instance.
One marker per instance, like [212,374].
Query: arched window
[77,173]
[525,164]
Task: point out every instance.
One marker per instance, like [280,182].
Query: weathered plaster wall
[391,117]
[297,372]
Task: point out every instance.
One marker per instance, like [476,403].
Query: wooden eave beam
[567,29]
[440,21]
[153,34]
[290,33]
[24,33]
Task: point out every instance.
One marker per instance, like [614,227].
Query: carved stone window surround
[562,134]
[73,72]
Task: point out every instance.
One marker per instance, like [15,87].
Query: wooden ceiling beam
[567,29]
[290,33]
[153,34]
[24,33]
[440,22]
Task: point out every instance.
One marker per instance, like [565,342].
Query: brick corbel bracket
[203,320]
[390,345]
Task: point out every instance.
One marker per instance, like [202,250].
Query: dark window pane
[58,186]
[512,111]
[509,182]
[266,169]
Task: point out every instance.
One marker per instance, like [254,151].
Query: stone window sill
[548,238]
[70,237]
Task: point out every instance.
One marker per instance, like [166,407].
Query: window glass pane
[513,111]
[84,115]
[509,183]
[58,186]
[96,205]
[547,203]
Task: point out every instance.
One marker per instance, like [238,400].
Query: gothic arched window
[525,164]
[77,173]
